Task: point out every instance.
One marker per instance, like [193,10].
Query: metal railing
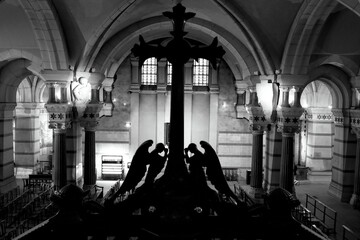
[327,217]
[348,234]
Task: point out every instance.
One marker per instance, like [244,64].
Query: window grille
[169,73]
[149,72]
[201,72]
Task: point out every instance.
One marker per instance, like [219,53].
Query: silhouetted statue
[157,163]
[136,172]
[215,174]
[196,163]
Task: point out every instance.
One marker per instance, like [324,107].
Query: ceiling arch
[238,56]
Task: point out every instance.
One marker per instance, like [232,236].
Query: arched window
[149,72]
[169,73]
[201,72]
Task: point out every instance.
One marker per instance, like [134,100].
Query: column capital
[341,116]
[60,115]
[355,121]
[289,120]
[108,84]
[257,119]
[54,76]
[90,118]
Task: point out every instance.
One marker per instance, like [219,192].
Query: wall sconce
[128,124]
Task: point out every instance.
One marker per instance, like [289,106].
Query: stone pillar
[134,106]
[7,179]
[288,125]
[272,158]
[27,138]
[344,155]
[214,102]
[89,157]
[355,123]
[258,124]
[108,106]
[60,116]
[241,87]
[89,121]
[160,101]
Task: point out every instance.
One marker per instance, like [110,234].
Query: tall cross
[178,51]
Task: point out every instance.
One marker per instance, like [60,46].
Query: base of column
[8,184]
[340,192]
[355,201]
[256,194]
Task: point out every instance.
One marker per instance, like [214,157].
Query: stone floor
[346,215]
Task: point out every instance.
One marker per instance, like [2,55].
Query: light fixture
[128,124]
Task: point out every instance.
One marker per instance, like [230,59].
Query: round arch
[239,58]
[337,81]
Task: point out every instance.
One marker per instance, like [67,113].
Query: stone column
[344,155]
[7,178]
[60,116]
[89,121]
[355,123]
[288,125]
[257,125]
[108,106]
[134,107]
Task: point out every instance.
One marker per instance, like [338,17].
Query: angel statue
[138,168]
[215,174]
[81,90]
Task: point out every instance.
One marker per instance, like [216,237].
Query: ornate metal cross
[178,51]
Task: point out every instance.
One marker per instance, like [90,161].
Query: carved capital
[355,118]
[90,117]
[60,115]
[341,116]
[256,115]
[289,119]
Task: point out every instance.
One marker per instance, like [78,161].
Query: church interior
[267,89]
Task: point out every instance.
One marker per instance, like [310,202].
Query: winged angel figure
[216,175]
[136,172]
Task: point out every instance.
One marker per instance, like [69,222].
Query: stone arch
[46,25]
[11,75]
[337,81]
[303,35]
[238,56]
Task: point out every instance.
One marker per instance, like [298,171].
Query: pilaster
[7,178]
[355,126]
[344,155]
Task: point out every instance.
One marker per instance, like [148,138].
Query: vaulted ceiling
[259,36]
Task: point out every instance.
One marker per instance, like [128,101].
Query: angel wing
[215,173]
[137,169]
